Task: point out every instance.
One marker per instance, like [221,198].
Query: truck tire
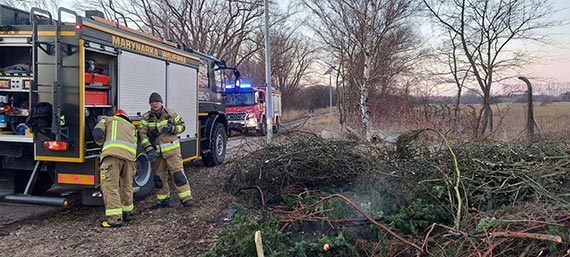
[143,178]
[217,147]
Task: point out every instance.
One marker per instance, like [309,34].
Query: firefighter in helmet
[117,167]
[158,132]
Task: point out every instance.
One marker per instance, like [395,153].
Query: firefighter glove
[151,155]
[168,129]
[153,133]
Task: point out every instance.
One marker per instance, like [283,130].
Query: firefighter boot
[162,204]
[127,217]
[106,224]
[187,203]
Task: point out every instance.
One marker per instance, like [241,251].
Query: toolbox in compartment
[97,79]
[96,98]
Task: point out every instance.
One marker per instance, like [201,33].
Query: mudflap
[91,196]
[7,184]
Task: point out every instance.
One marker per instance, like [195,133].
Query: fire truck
[61,74]
[246,108]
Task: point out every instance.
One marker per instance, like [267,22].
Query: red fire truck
[246,108]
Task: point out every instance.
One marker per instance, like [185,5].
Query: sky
[556,65]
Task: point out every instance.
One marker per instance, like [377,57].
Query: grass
[326,121]
[290,115]
[509,120]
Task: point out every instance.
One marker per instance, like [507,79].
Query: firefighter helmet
[121,112]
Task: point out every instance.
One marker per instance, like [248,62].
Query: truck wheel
[143,178]
[277,125]
[217,152]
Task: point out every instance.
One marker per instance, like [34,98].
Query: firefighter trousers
[117,186]
[172,166]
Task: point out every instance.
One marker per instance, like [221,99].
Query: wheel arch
[210,120]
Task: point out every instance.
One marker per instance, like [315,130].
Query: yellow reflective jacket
[166,144]
[120,138]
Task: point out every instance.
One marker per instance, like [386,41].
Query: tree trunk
[486,115]
[364,110]
[457,111]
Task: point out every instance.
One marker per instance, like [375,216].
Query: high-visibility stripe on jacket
[166,143]
[120,138]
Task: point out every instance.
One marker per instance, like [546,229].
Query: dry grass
[318,123]
[509,120]
[290,115]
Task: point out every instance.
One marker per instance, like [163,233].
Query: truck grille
[236,116]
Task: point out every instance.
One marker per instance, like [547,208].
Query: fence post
[529,117]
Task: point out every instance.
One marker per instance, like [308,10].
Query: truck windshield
[240,99]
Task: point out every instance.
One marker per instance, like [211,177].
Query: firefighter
[117,167]
[158,132]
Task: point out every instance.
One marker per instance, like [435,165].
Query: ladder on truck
[56,48]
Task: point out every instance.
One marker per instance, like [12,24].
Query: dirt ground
[174,231]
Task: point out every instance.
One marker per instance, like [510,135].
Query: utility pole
[268,101]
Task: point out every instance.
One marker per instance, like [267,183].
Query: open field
[509,120]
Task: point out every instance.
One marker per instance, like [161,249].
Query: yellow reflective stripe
[114,212]
[162,123]
[168,148]
[162,197]
[179,129]
[152,124]
[128,208]
[143,122]
[122,146]
[185,194]
[144,141]
[114,133]
[177,119]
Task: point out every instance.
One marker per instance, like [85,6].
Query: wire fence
[552,119]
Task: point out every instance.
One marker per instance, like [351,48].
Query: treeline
[475,99]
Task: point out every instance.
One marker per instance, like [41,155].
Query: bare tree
[292,53]
[219,27]
[450,68]
[484,30]
[369,37]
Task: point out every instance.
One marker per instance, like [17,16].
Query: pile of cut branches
[302,161]
[417,197]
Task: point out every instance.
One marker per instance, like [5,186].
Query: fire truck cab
[246,108]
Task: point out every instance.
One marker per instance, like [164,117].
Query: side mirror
[261,97]
[237,75]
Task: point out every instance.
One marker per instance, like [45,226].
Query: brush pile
[419,197]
